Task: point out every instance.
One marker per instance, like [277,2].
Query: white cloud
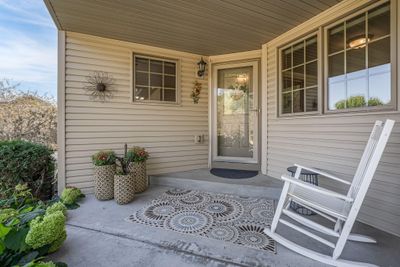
[28,52]
[25,59]
[27,11]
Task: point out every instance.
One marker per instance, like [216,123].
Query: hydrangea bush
[58,206]
[30,229]
[70,197]
[46,230]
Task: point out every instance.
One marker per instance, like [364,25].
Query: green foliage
[6,214]
[23,162]
[137,154]
[30,228]
[40,264]
[375,102]
[20,197]
[70,197]
[58,206]
[46,230]
[104,157]
[357,102]
[58,242]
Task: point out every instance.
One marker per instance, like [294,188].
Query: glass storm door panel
[236,114]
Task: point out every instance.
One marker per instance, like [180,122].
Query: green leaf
[15,240]
[72,206]
[13,222]
[2,247]
[44,250]
[28,257]
[25,210]
[27,217]
[61,264]
[4,230]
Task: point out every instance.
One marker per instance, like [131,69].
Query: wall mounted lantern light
[202,67]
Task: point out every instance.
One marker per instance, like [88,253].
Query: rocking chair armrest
[315,188]
[323,173]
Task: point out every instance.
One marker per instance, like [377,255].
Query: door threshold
[236,165]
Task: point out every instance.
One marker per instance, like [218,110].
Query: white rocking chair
[341,209]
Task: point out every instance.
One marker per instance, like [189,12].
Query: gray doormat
[230,218]
[233,174]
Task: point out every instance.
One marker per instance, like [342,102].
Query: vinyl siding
[334,142]
[167,131]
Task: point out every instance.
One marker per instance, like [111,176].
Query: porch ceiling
[206,27]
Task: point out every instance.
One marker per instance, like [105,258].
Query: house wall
[333,142]
[166,131]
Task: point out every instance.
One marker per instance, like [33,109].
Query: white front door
[235,112]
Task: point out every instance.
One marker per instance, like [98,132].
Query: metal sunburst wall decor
[100,85]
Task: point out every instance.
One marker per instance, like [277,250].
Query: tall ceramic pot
[139,174]
[104,182]
[124,188]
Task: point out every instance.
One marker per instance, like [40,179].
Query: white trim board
[61,112]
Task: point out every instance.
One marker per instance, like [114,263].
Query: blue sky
[28,46]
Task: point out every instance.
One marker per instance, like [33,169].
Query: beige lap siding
[333,142]
[166,131]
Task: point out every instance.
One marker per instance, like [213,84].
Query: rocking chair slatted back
[369,151]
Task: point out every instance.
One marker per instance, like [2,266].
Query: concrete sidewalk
[98,235]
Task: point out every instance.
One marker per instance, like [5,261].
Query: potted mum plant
[104,170]
[137,167]
[124,187]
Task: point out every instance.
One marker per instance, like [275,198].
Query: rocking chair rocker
[341,209]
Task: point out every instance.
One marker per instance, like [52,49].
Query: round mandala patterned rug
[227,218]
[177,192]
[189,222]
[261,213]
[253,236]
[155,214]
[224,209]
[194,200]
[224,232]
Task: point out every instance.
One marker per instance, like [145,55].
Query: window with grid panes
[358,58]
[299,77]
[155,79]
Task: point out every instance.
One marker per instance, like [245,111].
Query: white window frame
[177,79]
[316,33]
[393,61]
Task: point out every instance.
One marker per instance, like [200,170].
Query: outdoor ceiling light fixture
[359,41]
[202,67]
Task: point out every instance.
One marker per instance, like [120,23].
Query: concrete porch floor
[201,179]
[98,235]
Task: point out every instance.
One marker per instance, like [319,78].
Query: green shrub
[70,196]
[30,229]
[357,102]
[23,162]
[103,157]
[375,102]
[46,230]
[58,206]
[58,242]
